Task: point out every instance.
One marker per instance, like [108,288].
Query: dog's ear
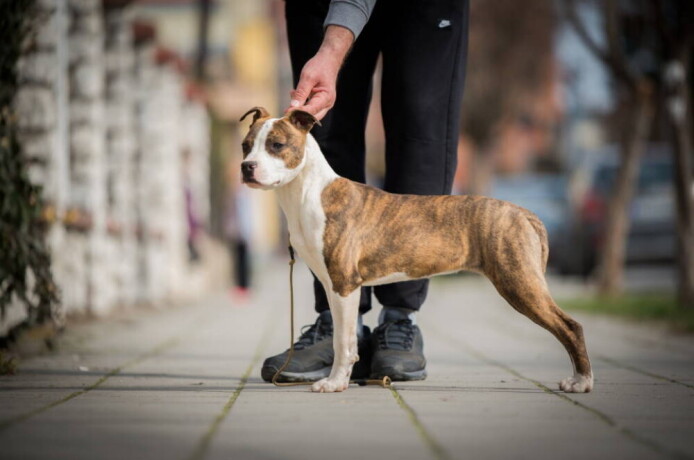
[258,112]
[304,121]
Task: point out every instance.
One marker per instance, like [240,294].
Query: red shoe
[240,295]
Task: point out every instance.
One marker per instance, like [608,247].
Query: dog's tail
[541,231]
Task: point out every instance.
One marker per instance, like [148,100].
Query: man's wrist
[351,14]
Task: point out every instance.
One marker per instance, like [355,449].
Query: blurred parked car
[544,194]
[652,212]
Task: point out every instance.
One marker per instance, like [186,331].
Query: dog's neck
[303,194]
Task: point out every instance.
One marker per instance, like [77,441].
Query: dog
[352,235]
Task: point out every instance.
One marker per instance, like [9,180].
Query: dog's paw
[328,385]
[577,384]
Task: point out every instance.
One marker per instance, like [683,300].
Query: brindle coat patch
[284,142]
[370,234]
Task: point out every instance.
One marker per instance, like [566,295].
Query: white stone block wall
[196,139]
[42,121]
[88,149]
[169,188]
[163,137]
[150,247]
[121,148]
[106,127]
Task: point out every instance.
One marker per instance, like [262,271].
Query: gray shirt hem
[351,14]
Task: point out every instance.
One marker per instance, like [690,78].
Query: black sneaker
[314,355]
[398,350]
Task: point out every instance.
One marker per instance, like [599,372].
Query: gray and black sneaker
[314,355]
[397,350]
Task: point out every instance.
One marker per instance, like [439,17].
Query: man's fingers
[319,104]
[303,90]
[297,100]
[320,115]
[294,104]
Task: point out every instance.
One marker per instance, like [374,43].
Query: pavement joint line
[612,361]
[433,445]
[635,369]
[512,328]
[204,443]
[168,343]
[629,434]
[655,343]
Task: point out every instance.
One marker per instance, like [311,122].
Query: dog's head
[273,149]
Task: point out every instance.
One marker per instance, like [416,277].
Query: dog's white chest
[306,236]
[306,225]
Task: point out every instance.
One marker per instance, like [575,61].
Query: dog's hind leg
[527,292]
[344,311]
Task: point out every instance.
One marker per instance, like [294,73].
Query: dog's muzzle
[248,171]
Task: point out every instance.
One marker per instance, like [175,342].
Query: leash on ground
[385,382]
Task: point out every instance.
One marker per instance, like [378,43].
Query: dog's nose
[247,167]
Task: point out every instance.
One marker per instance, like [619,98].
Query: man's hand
[315,92]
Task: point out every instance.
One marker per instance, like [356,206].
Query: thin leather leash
[385,382]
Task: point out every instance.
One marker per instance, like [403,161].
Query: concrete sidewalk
[184,384]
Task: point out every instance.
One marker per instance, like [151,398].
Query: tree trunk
[678,103]
[482,170]
[612,257]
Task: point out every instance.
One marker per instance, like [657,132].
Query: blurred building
[118,137]
[243,68]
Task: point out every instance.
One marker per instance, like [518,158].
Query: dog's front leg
[344,311]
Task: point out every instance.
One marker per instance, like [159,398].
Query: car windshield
[543,195]
[653,174]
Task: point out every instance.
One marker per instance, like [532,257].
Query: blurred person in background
[194,225]
[423,47]
[238,230]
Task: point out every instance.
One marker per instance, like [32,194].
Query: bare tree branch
[613,32]
[677,39]
[619,69]
[666,34]
[580,28]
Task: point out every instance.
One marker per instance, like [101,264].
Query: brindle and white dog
[353,235]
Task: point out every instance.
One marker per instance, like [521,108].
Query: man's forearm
[336,44]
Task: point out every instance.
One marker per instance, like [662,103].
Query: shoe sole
[312,376]
[402,376]
[294,377]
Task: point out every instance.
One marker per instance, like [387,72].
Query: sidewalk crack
[204,443]
[631,368]
[436,448]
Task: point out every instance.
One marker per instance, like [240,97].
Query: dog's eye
[277,145]
[246,147]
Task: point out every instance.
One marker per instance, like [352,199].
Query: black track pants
[423,44]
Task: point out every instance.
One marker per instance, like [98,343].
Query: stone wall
[115,135]
[121,147]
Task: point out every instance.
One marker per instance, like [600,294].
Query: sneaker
[314,355]
[397,350]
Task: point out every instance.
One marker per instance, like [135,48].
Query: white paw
[577,384]
[329,385]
